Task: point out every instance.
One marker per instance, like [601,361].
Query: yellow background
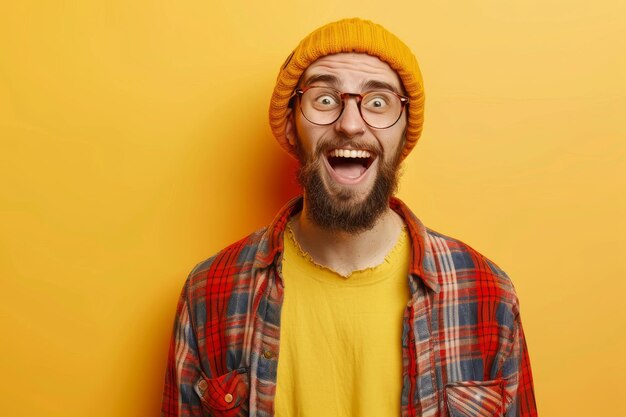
[134,143]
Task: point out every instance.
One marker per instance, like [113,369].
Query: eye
[322,99]
[326,100]
[377,101]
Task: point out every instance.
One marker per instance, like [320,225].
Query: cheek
[394,143]
[301,131]
[307,135]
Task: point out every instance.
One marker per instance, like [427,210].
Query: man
[346,305]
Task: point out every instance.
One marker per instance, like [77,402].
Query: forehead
[352,71]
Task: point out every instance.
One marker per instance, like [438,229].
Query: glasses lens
[381,109]
[323,106]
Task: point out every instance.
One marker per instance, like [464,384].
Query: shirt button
[202,385]
[267,354]
[228,398]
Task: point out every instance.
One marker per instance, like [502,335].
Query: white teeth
[350,153]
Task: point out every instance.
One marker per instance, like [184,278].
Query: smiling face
[348,168]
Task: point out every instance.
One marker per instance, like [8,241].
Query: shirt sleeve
[183,366]
[518,377]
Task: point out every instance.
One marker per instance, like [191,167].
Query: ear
[290,127]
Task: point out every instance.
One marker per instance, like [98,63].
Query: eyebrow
[324,78]
[334,82]
[379,85]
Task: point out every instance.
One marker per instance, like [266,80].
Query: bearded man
[347,305]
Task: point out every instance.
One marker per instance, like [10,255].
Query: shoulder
[219,275]
[228,278]
[463,268]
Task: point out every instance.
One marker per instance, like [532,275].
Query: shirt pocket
[225,396]
[475,398]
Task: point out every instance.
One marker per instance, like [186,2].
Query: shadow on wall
[282,184]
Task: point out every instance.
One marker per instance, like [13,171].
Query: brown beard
[339,212]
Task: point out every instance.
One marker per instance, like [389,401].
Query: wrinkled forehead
[352,72]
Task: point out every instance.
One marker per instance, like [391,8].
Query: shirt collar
[422,258]
[422,263]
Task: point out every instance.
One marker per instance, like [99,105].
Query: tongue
[349,170]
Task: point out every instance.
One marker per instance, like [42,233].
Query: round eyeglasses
[324,105]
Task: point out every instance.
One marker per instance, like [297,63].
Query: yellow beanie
[350,35]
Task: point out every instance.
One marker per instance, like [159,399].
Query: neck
[345,252]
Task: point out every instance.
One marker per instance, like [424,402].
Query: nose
[350,122]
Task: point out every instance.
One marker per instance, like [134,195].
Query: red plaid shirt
[463,345]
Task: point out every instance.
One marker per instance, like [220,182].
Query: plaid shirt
[463,345]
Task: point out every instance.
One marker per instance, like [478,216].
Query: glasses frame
[298,92]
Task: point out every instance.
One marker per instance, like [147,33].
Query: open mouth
[350,164]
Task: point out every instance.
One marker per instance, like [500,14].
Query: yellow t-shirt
[340,338]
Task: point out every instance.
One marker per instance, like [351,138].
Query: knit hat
[350,35]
